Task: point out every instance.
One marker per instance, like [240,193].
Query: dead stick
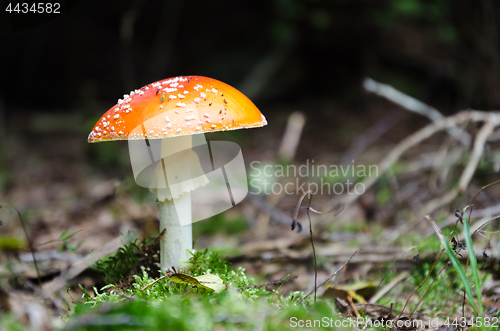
[328,279]
[388,287]
[468,172]
[419,136]
[155,281]
[353,306]
[272,282]
[414,105]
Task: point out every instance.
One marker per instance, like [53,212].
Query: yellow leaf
[208,281]
[360,292]
[183,279]
[213,282]
[11,243]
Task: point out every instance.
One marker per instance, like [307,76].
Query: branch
[468,172]
[272,282]
[414,105]
[328,279]
[419,136]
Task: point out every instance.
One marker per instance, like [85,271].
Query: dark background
[288,52]
[286,55]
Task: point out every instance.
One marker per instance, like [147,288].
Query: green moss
[229,310]
[117,266]
[166,305]
[226,311]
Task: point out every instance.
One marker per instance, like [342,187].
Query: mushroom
[173,114]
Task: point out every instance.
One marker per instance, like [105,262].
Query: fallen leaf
[212,281]
[208,281]
[361,291]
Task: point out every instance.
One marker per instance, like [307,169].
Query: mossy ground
[166,305]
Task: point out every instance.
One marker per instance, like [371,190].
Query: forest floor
[81,204]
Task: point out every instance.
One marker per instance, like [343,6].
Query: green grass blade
[472,260]
[461,273]
[456,264]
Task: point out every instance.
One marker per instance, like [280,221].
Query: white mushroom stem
[176,176]
[177,240]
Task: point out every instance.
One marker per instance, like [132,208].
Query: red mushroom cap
[177,106]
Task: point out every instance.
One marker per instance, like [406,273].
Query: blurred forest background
[300,54]
[59,77]
[309,55]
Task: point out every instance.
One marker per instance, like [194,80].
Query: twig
[314,250]
[353,306]
[329,278]
[272,282]
[291,137]
[29,241]
[27,282]
[414,105]
[337,209]
[495,136]
[421,284]
[477,213]
[484,224]
[419,136]
[155,281]
[440,167]
[168,274]
[477,152]
[388,287]
[468,172]
[362,141]
[295,223]
[394,262]
[481,190]
[428,289]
